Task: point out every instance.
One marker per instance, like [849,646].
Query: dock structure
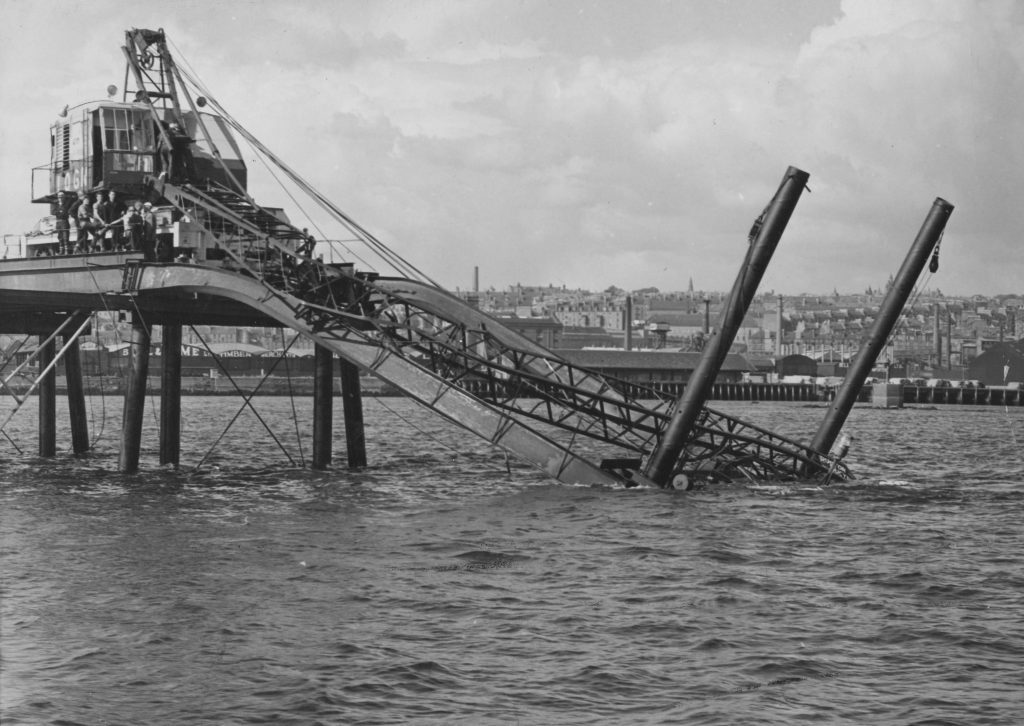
[46,302]
[423,341]
[209,254]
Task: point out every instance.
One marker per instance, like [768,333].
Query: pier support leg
[134,398]
[170,397]
[47,400]
[323,407]
[352,399]
[76,397]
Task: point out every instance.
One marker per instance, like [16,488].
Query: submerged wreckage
[201,250]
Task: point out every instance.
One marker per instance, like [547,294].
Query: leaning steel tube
[662,462]
[888,314]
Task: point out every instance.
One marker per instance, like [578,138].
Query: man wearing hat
[62,212]
[175,152]
[86,222]
[148,232]
[111,212]
[133,227]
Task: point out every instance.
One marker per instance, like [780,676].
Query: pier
[416,338]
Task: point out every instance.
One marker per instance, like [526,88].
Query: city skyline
[876,291]
[590,143]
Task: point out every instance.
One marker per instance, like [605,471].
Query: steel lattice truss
[488,361]
[550,390]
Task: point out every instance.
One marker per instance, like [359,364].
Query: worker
[86,223]
[62,212]
[111,212]
[307,245]
[149,250]
[133,228]
[176,155]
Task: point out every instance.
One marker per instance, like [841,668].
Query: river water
[445,585]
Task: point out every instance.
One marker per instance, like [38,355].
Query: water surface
[445,584]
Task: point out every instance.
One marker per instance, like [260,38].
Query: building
[798,365]
[546,331]
[576,337]
[1001,364]
[646,367]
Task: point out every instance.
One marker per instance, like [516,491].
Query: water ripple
[444,585]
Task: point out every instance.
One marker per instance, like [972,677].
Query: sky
[589,143]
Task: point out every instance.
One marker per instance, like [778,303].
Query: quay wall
[805,392]
[219,386]
[303,386]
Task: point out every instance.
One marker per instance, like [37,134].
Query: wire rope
[4,366]
[246,403]
[432,435]
[902,322]
[291,395]
[193,78]
[397,262]
[117,333]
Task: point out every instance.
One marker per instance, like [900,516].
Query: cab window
[127,133]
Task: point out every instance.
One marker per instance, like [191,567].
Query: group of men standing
[105,224]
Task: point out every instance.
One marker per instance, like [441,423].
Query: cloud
[902,102]
[599,143]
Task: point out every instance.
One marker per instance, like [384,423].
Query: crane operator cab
[115,145]
[151,172]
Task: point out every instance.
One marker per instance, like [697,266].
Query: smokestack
[778,320]
[628,322]
[476,278]
[949,339]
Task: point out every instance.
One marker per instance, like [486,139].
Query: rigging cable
[909,305]
[16,447]
[360,233]
[117,333]
[245,403]
[291,393]
[933,267]
[198,86]
[432,435]
[400,264]
[2,367]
